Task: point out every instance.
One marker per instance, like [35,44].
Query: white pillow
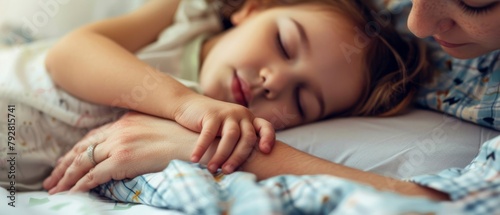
[418,142]
[41,19]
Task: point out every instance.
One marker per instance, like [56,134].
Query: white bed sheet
[40,203]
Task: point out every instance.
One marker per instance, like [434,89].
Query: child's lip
[245,88]
[238,92]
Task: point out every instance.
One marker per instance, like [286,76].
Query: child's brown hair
[395,64]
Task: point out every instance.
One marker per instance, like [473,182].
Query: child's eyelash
[473,11]
[281,47]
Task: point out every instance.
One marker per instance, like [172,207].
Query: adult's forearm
[283,159]
[287,160]
[159,141]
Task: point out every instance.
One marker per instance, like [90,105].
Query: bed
[414,143]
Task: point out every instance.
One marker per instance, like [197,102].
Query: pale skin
[113,153]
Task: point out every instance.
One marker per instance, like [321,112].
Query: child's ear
[249,8]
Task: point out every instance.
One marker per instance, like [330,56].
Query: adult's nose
[429,17]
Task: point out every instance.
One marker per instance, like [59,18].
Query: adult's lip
[447,44]
[237,88]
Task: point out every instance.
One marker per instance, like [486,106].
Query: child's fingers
[208,133]
[230,135]
[243,149]
[266,133]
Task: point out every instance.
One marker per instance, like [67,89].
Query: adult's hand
[134,145]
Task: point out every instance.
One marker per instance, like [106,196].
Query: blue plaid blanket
[191,189]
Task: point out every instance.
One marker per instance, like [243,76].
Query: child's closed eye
[281,47]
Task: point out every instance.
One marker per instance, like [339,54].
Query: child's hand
[236,125]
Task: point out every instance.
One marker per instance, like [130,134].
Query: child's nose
[275,82]
[429,17]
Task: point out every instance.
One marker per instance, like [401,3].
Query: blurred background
[23,21]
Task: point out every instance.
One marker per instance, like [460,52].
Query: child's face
[286,65]
[465,28]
